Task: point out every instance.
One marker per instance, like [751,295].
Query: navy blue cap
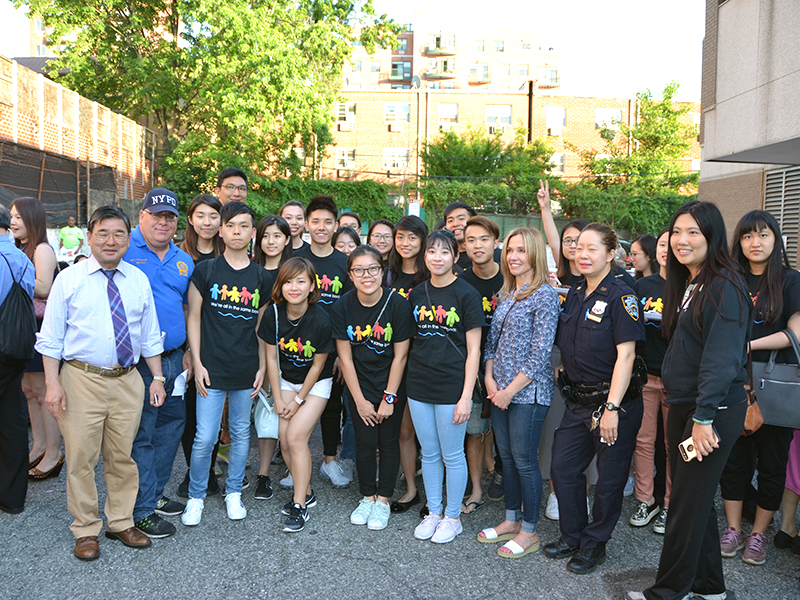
[160,199]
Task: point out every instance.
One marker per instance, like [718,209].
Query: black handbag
[778,388]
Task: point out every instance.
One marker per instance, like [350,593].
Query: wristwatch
[299,400]
[389,398]
[611,406]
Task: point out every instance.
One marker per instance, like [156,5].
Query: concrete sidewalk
[330,559]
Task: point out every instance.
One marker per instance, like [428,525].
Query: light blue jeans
[209,414]
[441,441]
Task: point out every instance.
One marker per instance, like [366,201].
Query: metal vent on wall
[782,200]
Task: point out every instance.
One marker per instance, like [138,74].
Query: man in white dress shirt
[100,319]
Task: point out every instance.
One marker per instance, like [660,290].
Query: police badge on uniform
[631,304]
[597,311]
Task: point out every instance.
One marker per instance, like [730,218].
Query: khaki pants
[102,415]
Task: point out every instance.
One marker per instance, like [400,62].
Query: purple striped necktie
[121,334]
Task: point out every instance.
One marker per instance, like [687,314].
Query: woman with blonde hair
[519,382]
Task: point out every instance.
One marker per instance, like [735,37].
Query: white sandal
[517,551]
[490,536]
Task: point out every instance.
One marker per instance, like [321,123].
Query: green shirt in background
[70,237]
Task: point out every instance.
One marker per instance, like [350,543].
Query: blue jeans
[441,441]
[209,414]
[348,451]
[517,431]
[158,437]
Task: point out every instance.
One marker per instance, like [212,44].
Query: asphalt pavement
[330,559]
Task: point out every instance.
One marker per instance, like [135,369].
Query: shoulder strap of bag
[446,336]
[277,348]
[25,270]
[793,340]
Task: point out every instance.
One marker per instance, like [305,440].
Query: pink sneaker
[756,551]
[731,542]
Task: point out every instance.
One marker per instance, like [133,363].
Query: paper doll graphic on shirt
[650,304]
[325,282]
[350,332]
[387,332]
[223,294]
[377,331]
[308,350]
[234,294]
[440,313]
[246,296]
[298,352]
[291,346]
[452,316]
[359,333]
[214,292]
[336,285]
[487,306]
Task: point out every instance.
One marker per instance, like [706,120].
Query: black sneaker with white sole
[311,502]
[245,485]
[169,508]
[296,520]
[263,488]
[154,526]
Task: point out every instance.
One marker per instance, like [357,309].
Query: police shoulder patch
[631,305]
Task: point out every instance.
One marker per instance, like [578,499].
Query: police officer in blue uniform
[599,328]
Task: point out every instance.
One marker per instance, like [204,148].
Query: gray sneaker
[332,472]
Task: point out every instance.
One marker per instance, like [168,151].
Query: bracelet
[389,398]
[299,400]
[161,379]
[703,421]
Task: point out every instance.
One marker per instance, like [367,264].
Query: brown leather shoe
[87,548]
[131,537]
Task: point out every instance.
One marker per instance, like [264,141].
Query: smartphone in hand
[687,449]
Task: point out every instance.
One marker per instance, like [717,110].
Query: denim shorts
[476,423]
[321,389]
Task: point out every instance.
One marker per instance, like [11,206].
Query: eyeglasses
[569,241]
[387,237]
[163,216]
[102,236]
[635,254]
[359,271]
[230,188]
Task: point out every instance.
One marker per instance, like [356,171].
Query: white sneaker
[551,512]
[287,483]
[379,517]
[193,513]
[447,530]
[333,473]
[236,510]
[426,529]
[360,515]
[629,486]
[588,508]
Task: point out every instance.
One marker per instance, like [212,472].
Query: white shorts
[321,389]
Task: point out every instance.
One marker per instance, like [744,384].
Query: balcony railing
[440,74]
[550,82]
[440,51]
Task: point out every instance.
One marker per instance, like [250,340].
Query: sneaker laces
[729,536]
[756,542]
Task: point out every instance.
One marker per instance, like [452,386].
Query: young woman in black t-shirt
[381,236]
[372,327]
[775,289]
[303,374]
[295,214]
[643,255]
[406,270]
[201,240]
[345,240]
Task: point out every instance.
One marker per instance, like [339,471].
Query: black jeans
[690,559]
[13,436]
[330,423]
[384,437]
[769,447]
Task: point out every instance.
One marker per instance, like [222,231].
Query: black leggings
[187,439]
[384,437]
[330,423]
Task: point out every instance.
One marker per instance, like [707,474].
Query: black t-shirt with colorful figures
[488,289]
[650,292]
[403,284]
[231,301]
[299,342]
[372,338]
[435,368]
[331,274]
[791,305]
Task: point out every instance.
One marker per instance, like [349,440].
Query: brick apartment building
[750,130]
[384,131]
[72,153]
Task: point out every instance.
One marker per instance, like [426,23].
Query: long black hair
[415,225]
[717,265]
[563,261]
[648,244]
[769,292]
[258,254]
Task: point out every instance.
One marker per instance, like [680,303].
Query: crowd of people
[453,347]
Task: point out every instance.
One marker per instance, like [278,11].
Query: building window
[499,46]
[402,45]
[401,69]
[346,112]
[551,76]
[504,70]
[556,117]
[498,115]
[356,43]
[479,72]
[394,112]
[375,66]
[41,50]
[448,113]
[441,42]
[356,67]
[523,46]
[395,158]
[479,45]
[608,118]
[523,70]
[449,85]
[558,162]
[39,26]
[401,86]
[434,85]
[345,158]
[448,65]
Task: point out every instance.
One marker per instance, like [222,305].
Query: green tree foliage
[221,78]
[481,171]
